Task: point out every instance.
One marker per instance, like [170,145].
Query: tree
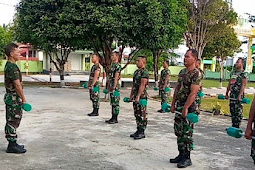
[206,17]
[5,39]
[168,33]
[50,26]
[223,45]
[127,21]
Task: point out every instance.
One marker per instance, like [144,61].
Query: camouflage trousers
[164,96]
[253,147]
[198,101]
[183,130]
[115,102]
[140,115]
[236,110]
[95,98]
[13,106]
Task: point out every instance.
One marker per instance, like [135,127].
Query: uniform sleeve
[169,72]
[180,77]
[145,75]
[245,75]
[197,78]
[118,70]
[14,73]
[98,69]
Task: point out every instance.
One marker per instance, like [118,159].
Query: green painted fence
[33,66]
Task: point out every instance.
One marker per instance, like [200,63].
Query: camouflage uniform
[115,100]
[253,145]
[94,96]
[182,127]
[139,110]
[163,94]
[199,99]
[236,107]
[13,103]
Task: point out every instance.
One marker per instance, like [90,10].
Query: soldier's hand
[248,133]
[226,96]
[239,98]
[137,99]
[184,113]
[90,87]
[173,108]
[131,97]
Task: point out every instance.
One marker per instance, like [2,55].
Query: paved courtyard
[58,134]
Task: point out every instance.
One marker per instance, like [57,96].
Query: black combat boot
[140,134]
[133,135]
[107,121]
[161,111]
[13,147]
[94,113]
[114,119]
[178,158]
[186,161]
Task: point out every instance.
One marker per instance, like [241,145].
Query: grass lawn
[209,103]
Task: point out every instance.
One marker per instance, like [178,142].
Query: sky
[7,9]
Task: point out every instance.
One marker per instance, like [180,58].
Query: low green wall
[33,66]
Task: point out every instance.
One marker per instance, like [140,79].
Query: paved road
[59,135]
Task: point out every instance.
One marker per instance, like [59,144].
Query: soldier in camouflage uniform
[163,83]
[114,85]
[249,131]
[14,98]
[236,86]
[94,84]
[199,99]
[139,91]
[184,101]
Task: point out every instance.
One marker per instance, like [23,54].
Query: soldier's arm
[19,90]
[192,96]
[228,89]
[96,76]
[116,79]
[248,132]
[144,81]
[177,88]
[166,81]
[244,83]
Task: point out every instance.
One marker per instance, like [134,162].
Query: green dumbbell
[105,91]
[235,132]
[27,107]
[142,102]
[116,93]
[166,107]
[96,89]
[192,117]
[246,101]
[126,99]
[85,85]
[221,96]
[200,94]
[167,89]
[155,88]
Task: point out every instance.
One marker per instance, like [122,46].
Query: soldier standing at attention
[14,98]
[94,84]
[199,99]
[236,86]
[140,81]
[189,80]
[163,83]
[114,86]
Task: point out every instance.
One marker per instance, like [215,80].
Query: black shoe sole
[11,151]
[112,122]
[92,115]
[139,138]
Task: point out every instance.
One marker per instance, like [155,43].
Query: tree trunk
[155,69]
[221,72]
[62,75]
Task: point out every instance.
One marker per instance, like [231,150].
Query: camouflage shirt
[116,68]
[94,68]
[11,73]
[163,75]
[138,75]
[185,80]
[236,78]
